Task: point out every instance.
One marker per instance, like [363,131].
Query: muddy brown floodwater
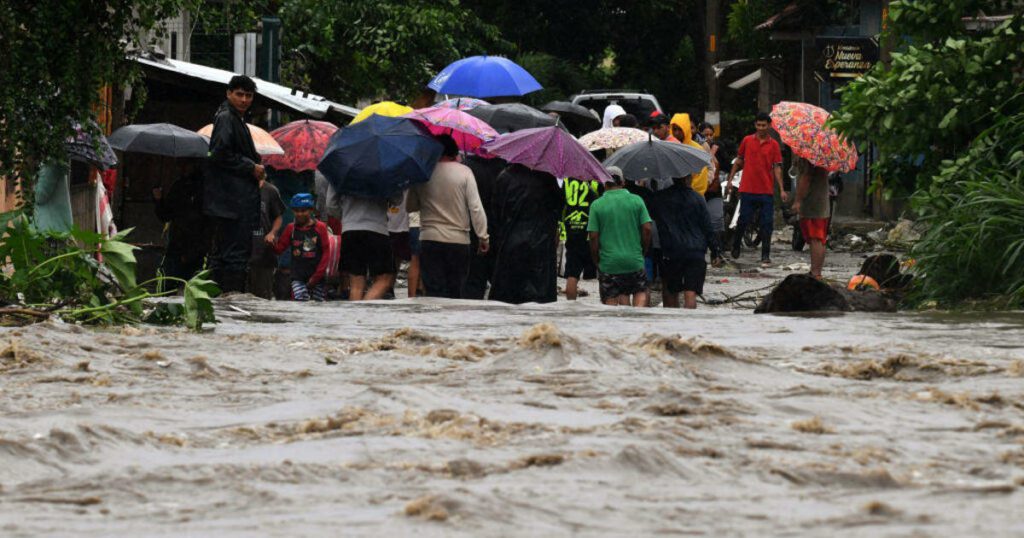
[461,418]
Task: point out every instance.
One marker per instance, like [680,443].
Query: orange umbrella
[265,144]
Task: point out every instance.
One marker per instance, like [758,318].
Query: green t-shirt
[617,217]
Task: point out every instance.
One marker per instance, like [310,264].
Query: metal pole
[713,113]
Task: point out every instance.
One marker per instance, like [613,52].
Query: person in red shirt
[309,241]
[760,158]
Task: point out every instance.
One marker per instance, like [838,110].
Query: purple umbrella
[548,149]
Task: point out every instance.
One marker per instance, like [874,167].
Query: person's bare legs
[817,257]
[414,275]
[670,300]
[641,298]
[689,300]
[618,300]
[357,286]
[381,286]
[571,288]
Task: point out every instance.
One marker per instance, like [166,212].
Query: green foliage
[59,272]
[938,93]
[56,57]
[744,16]
[385,49]
[974,208]
[561,77]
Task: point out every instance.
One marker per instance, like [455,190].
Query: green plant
[973,250]
[60,273]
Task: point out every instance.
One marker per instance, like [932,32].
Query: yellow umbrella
[383,108]
[265,144]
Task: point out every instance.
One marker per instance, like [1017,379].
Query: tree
[352,49]
[56,58]
[938,92]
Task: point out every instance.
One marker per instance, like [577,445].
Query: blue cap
[302,200]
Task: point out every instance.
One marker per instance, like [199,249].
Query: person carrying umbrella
[231,195]
[181,209]
[448,204]
[760,158]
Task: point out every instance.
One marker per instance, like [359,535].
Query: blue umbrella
[379,157]
[483,77]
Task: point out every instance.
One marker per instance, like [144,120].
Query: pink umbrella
[469,132]
[548,149]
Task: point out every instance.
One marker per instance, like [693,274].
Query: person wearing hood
[231,195]
[682,129]
[610,113]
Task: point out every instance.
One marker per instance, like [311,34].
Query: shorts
[366,253]
[578,261]
[684,275]
[400,246]
[414,241]
[612,286]
[814,229]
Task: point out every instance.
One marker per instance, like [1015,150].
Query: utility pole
[713,114]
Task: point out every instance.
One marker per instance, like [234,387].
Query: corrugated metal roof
[289,98]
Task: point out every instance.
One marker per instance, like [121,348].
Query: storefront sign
[847,57]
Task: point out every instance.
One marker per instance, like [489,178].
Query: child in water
[307,237]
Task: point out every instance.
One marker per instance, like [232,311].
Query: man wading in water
[231,197]
[620,234]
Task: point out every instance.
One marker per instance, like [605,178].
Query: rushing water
[435,417]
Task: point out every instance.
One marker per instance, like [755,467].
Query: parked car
[635,102]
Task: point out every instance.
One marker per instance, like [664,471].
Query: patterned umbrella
[802,127]
[82,146]
[304,142]
[462,103]
[548,149]
[265,144]
[469,133]
[612,138]
[390,109]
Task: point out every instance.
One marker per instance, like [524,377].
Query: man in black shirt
[231,195]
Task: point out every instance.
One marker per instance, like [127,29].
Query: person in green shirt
[620,234]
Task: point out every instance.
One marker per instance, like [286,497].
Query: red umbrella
[304,143]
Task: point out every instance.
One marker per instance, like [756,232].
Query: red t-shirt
[759,160]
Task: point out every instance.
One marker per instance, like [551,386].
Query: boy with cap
[620,234]
[309,241]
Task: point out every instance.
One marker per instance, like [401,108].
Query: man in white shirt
[448,204]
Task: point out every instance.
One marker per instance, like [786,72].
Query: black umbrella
[579,119]
[656,159]
[159,139]
[95,150]
[509,117]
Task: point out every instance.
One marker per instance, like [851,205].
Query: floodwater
[461,418]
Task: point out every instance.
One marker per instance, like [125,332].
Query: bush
[974,248]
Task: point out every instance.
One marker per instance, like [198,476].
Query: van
[637,103]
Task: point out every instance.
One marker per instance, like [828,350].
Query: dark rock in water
[885,269]
[804,293]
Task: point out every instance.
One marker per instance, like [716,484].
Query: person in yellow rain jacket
[683,131]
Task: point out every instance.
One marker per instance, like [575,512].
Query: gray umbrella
[579,119]
[509,117]
[159,139]
[658,159]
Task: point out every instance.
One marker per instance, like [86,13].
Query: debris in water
[538,460]
[879,508]
[540,336]
[811,425]
[429,507]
